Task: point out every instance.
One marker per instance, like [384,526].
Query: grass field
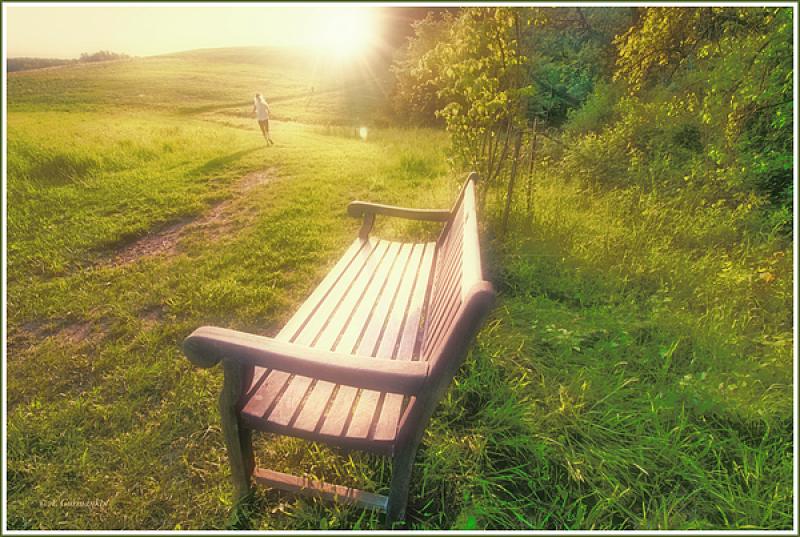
[636,373]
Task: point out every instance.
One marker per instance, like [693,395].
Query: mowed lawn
[589,401]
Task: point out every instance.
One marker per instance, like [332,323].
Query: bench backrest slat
[456,270]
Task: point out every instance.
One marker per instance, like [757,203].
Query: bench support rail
[321,489]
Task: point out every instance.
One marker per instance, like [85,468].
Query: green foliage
[25,64]
[560,52]
[597,111]
[569,53]
[497,74]
[647,144]
[652,282]
[731,67]
[102,56]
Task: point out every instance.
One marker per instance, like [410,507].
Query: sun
[345,31]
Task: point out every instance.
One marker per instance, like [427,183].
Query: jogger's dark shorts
[264,124]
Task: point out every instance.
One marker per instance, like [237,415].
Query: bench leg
[238,440]
[402,465]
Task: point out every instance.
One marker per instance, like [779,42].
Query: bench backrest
[457,268]
[458,302]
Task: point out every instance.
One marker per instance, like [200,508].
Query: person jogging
[261,111]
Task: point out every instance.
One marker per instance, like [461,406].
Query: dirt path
[214,223]
[217,221]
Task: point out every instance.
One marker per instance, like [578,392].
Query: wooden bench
[366,358]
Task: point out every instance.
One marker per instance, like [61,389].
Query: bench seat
[371,304]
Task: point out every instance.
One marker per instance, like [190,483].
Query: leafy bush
[596,112]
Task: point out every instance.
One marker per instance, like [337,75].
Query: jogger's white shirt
[262,110]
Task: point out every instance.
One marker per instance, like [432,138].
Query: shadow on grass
[220,162]
[218,107]
[215,107]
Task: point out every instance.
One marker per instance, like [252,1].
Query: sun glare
[345,32]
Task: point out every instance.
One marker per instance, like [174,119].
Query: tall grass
[652,331]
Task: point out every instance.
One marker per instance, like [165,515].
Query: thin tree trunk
[504,153]
[482,151]
[492,171]
[511,180]
[484,185]
[531,167]
[490,153]
[496,170]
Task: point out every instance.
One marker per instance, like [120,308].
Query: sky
[66,31]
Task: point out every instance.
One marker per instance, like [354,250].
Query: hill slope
[300,85]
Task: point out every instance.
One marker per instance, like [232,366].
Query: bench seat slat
[368,404]
[289,403]
[327,319]
[361,316]
[326,311]
[386,426]
[312,411]
[389,418]
[339,414]
[364,407]
[348,398]
[411,337]
[397,316]
[355,251]
[372,333]
[363,414]
[372,308]
[263,399]
[350,302]
[310,415]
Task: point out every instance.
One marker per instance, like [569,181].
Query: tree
[417,71]
[484,85]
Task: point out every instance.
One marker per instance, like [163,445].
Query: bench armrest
[207,345]
[360,208]
[369,210]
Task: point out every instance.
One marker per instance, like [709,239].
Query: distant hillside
[26,64]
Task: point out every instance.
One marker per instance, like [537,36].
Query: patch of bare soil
[75,333]
[24,336]
[152,317]
[214,223]
[31,334]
